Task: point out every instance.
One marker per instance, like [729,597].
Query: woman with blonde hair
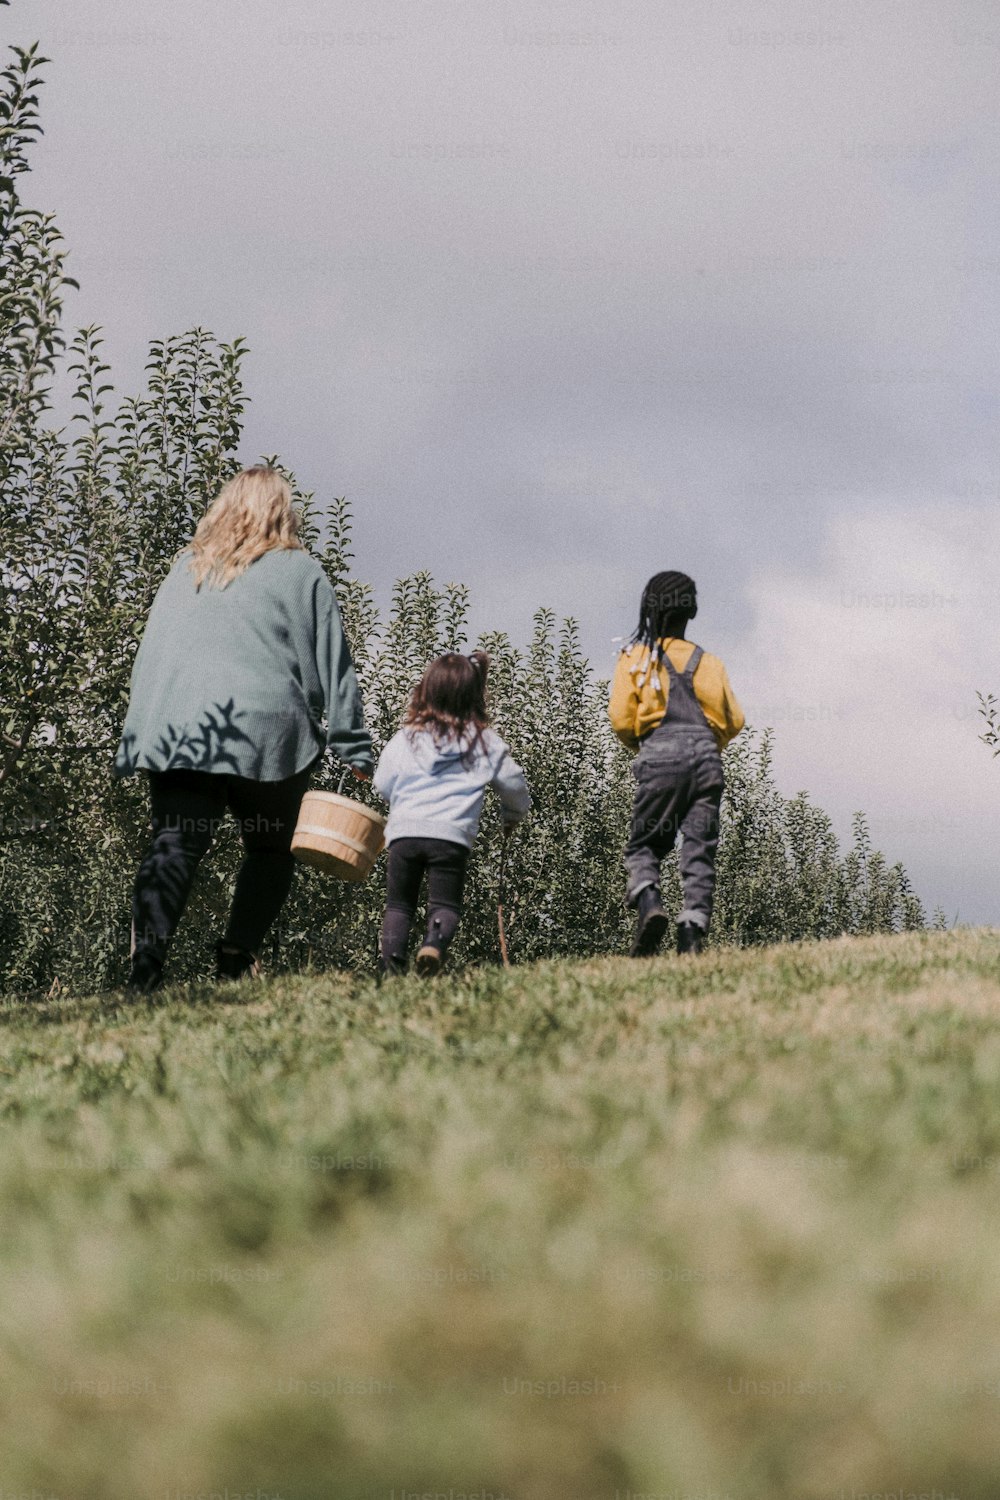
[242,678]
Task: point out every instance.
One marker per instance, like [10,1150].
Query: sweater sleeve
[511,786]
[731,709]
[346,734]
[624,703]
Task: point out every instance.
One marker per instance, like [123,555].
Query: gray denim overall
[678,789]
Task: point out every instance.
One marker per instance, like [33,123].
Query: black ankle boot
[651,925]
[442,924]
[146,974]
[429,961]
[235,963]
[690,937]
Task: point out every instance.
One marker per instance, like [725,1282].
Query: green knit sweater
[239,680]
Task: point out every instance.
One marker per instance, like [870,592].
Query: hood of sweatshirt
[431,757]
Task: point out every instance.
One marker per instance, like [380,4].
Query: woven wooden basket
[338,836]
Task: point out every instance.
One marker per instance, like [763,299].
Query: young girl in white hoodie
[434,773]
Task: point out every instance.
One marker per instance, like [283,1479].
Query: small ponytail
[481,662]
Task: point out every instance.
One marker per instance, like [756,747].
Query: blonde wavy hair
[251,515]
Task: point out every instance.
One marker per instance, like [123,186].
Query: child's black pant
[445,863]
[187,809]
[678,777]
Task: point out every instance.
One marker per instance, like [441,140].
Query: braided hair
[669,600]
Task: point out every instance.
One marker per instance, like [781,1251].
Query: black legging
[187,808]
[445,863]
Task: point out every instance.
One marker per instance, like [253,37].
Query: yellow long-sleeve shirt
[634,710]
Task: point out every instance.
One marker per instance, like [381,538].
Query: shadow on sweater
[210,746]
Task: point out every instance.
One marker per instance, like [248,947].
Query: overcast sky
[561,294]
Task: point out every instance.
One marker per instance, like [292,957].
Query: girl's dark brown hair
[449,701]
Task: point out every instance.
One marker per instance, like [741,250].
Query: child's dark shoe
[146,975]
[235,963]
[690,937]
[652,923]
[429,961]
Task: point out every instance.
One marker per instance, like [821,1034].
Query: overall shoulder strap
[693,660]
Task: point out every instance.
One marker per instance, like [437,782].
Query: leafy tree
[990,710]
[36,559]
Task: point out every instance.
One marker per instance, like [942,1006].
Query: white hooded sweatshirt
[433,794]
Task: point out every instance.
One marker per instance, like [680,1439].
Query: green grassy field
[686,1229]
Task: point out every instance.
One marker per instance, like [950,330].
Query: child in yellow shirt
[672,701]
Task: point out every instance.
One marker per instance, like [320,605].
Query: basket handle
[348,768]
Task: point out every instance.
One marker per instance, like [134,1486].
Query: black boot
[442,924]
[146,974]
[652,923]
[235,963]
[690,937]
[429,961]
